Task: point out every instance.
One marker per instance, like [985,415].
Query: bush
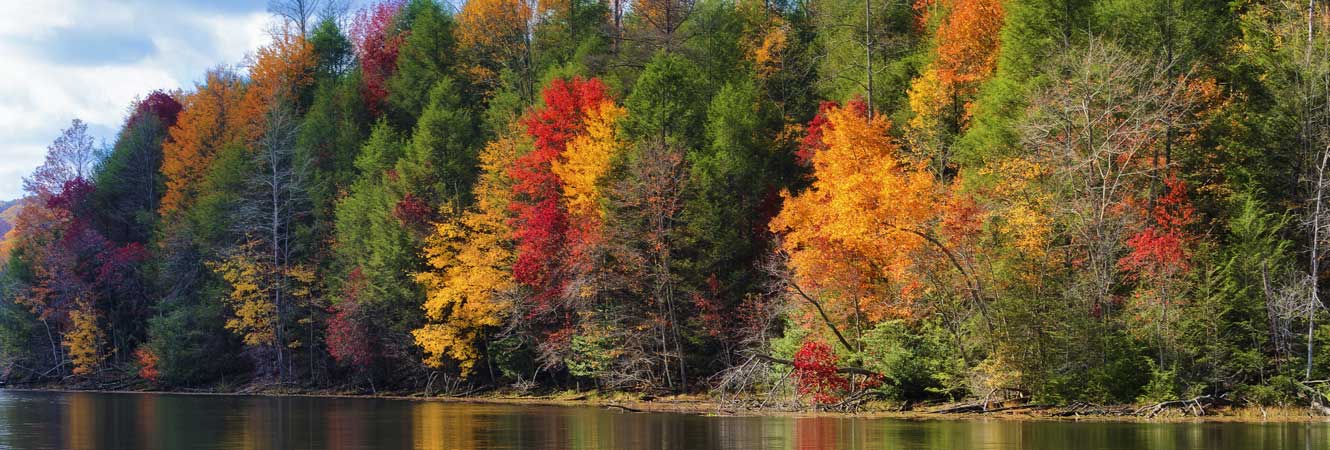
[815,367]
[1163,385]
[917,362]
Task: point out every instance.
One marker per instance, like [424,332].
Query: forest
[1108,201]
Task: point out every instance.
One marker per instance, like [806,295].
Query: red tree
[541,223]
[158,103]
[348,337]
[1162,248]
[376,39]
[815,372]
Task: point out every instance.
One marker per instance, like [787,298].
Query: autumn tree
[540,219]
[966,56]
[469,287]
[281,73]
[210,121]
[72,156]
[1159,257]
[1100,143]
[852,235]
[494,36]
[376,38]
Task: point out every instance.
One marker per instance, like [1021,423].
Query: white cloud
[40,93]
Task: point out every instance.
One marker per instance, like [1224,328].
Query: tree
[469,287]
[129,184]
[1160,255]
[647,202]
[84,340]
[440,161]
[299,13]
[732,193]
[334,54]
[425,57]
[540,221]
[371,236]
[348,332]
[494,36]
[1097,127]
[853,234]
[280,75]
[583,171]
[267,217]
[70,157]
[210,121]
[858,42]
[967,51]
[1288,51]
[661,21]
[377,40]
[666,103]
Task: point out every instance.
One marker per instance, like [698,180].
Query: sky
[89,59]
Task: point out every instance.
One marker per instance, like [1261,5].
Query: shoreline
[698,405]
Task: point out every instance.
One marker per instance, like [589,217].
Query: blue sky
[90,58]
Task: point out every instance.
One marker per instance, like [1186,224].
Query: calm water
[33,420]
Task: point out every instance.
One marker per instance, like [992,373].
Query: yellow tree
[254,315]
[253,280]
[84,339]
[469,286]
[585,161]
[495,35]
[852,235]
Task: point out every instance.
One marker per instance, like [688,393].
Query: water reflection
[32,420]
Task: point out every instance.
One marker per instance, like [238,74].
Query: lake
[57,420]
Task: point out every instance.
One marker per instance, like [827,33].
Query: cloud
[89,59]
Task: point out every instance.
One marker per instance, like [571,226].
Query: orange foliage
[211,120]
[496,30]
[279,72]
[968,42]
[852,235]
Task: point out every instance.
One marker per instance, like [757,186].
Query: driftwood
[1192,404]
[623,408]
[1315,397]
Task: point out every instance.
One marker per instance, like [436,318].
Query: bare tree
[1096,122]
[300,13]
[71,157]
[1311,105]
[272,206]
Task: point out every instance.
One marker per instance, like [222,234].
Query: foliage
[815,369]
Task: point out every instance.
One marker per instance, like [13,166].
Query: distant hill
[8,211]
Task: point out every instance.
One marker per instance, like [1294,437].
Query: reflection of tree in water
[818,433]
[345,425]
[81,422]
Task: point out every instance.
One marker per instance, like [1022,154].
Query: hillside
[8,212]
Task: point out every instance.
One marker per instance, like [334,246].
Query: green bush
[918,362]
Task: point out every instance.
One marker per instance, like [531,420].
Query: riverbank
[704,405]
